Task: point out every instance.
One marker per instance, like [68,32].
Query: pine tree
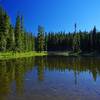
[40,38]
[1,29]
[32,43]
[76,41]
[46,39]
[26,41]
[22,34]
[18,38]
[11,39]
[94,38]
[4,29]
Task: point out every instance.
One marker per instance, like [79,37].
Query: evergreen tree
[18,35]
[22,34]
[40,38]
[32,43]
[11,39]
[46,40]
[26,41]
[94,38]
[1,29]
[76,41]
[4,29]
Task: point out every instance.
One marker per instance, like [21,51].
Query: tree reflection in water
[14,70]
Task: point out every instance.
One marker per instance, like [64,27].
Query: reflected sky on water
[50,78]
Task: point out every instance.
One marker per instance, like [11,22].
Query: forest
[15,38]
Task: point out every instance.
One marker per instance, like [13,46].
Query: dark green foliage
[15,38]
[40,39]
[18,40]
[46,41]
[22,34]
[11,39]
[94,38]
[76,41]
[4,29]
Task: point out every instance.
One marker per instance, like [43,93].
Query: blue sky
[55,15]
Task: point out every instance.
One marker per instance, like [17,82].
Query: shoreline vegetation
[15,55]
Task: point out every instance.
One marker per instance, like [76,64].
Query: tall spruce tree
[18,35]
[40,38]
[1,29]
[26,41]
[32,42]
[94,38]
[11,39]
[46,41]
[4,29]
[76,41]
[22,34]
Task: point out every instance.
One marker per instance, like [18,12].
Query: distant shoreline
[75,54]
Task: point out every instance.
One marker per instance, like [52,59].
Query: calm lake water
[50,78]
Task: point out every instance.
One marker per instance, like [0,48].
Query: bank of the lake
[12,55]
[76,54]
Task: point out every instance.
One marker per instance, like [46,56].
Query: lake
[50,78]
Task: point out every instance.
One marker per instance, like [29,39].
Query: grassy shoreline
[15,55]
[12,55]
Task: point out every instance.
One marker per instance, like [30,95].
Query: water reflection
[12,72]
[77,65]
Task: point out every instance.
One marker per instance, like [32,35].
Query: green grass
[12,55]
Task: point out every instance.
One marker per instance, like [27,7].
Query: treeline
[75,41]
[15,38]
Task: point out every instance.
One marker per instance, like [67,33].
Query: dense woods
[15,38]
[76,41]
